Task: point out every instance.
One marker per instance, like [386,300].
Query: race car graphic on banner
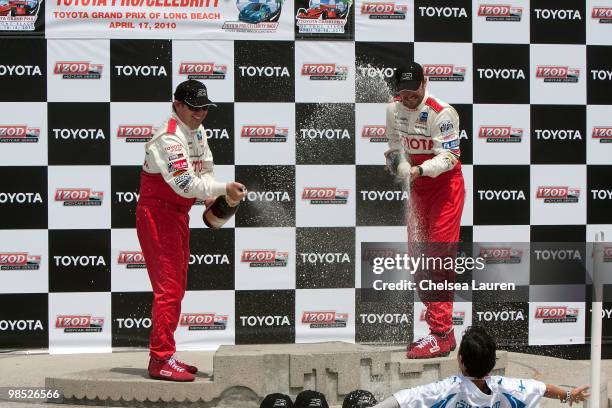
[19,15]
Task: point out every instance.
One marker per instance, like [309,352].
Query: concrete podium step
[243,375]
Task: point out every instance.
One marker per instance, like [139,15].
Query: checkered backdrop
[532,82]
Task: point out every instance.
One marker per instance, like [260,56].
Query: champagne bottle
[398,164]
[220,212]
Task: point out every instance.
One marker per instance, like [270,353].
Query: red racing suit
[429,135]
[178,169]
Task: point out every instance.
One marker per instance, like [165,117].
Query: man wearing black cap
[423,134]
[178,169]
[310,399]
[359,399]
[276,400]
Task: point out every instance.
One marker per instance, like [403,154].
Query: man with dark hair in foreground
[475,387]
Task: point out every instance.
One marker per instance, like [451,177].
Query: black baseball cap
[359,399]
[276,400]
[193,93]
[310,399]
[409,76]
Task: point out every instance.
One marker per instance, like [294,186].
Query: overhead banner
[170,19]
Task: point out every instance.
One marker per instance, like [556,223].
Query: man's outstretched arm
[578,394]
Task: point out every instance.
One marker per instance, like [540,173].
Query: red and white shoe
[190,369]
[433,345]
[168,370]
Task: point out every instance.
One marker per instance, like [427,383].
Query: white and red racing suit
[429,135]
[178,169]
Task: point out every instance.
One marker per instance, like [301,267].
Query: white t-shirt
[459,392]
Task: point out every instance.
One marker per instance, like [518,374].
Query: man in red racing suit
[423,134]
[178,169]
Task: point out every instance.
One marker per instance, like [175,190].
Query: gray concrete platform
[20,369]
[243,375]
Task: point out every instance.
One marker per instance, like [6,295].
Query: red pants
[435,217]
[163,231]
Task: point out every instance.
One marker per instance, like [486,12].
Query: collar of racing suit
[184,128]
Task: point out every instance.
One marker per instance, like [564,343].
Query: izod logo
[500,12]
[500,134]
[19,134]
[264,258]
[501,255]
[324,319]
[203,70]
[603,14]
[264,133]
[325,195]
[317,72]
[558,194]
[375,133]
[79,323]
[602,133]
[79,197]
[78,70]
[554,73]
[11,261]
[135,133]
[203,321]
[131,259]
[557,314]
[444,72]
[384,10]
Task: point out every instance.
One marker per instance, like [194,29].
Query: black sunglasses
[195,108]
